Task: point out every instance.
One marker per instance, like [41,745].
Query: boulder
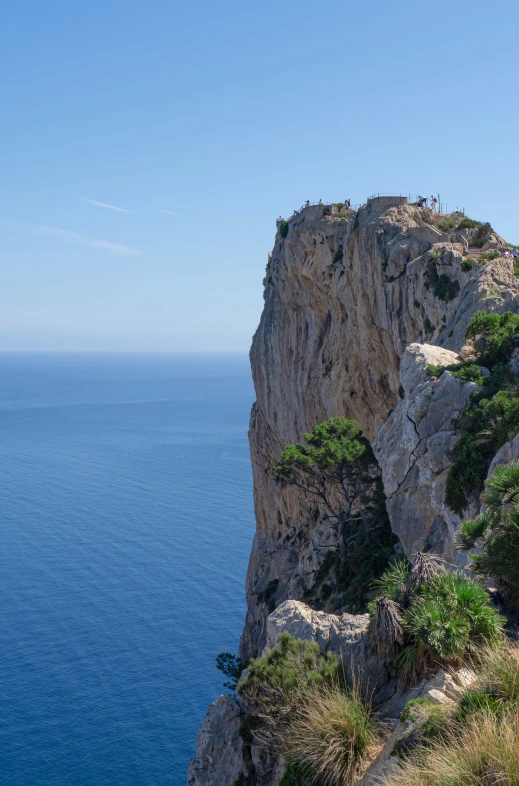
[344,634]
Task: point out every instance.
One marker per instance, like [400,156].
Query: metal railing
[325,205]
[442,208]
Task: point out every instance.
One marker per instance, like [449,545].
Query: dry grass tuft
[332,737]
[387,632]
[485,752]
[498,673]
[425,568]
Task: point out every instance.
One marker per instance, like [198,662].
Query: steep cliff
[356,307]
[343,299]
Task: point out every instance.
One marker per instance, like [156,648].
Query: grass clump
[283,228]
[498,335]
[332,737]
[467,264]
[409,714]
[279,681]
[447,223]
[484,752]
[488,256]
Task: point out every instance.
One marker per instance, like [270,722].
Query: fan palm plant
[498,529]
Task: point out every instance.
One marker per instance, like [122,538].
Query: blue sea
[126,525]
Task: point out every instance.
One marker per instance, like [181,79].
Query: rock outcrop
[344,297]
[355,309]
[413,449]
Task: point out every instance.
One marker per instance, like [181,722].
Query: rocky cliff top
[344,297]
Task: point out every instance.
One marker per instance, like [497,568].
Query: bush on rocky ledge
[426,615]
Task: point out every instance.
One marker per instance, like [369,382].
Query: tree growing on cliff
[334,469]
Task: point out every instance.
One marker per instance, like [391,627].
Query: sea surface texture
[126,524]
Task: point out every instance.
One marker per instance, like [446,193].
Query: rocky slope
[355,308]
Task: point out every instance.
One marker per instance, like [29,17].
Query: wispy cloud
[84,240]
[104,204]
[171,213]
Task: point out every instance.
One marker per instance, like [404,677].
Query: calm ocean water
[126,525]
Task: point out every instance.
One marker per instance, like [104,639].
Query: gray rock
[218,759]
[344,634]
[413,449]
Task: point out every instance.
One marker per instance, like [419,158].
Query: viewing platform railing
[339,208]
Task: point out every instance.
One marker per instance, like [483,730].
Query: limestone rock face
[413,449]
[344,297]
[344,634]
[355,309]
[218,758]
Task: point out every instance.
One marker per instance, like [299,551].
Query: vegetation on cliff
[338,474]
[474,741]
[492,418]
[300,705]
[425,616]
[497,529]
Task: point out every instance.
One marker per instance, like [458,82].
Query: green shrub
[488,256]
[468,372]
[485,427]
[477,702]
[407,713]
[332,736]
[453,616]
[444,288]
[279,681]
[393,582]
[447,223]
[498,527]
[231,666]
[425,614]
[467,264]
[469,223]
[339,254]
[429,721]
[293,665]
[283,228]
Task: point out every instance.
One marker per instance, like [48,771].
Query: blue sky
[204,121]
